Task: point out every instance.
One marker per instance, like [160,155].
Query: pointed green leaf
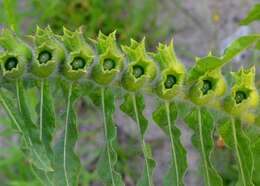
[238,46]
[165,116]
[47,114]
[133,106]
[66,162]
[202,123]
[253,15]
[35,150]
[108,159]
[236,139]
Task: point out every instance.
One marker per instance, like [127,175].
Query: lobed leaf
[133,106]
[202,123]
[35,151]
[66,162]
[235,138]
[108,159]
[165,116]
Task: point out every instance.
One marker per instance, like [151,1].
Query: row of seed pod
[73,57]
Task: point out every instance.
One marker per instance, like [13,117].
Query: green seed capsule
[11,63]
[109,64]
[44,57]
[207,85]
[244,95]
[110,61]
[170,81]
[49,53]
[80,55]
[138,71]
[240,96]
[141,69]
[78,63]
[17,54]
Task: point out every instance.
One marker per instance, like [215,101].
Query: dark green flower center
[240,96]
[207,85]
[78,63]
[170,81]
[11,63]
[138,71]
[109,64]
[44,57]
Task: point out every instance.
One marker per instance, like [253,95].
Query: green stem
[66,135]
[142,139]
[234,133]
[106,135]
[203,149]
[41,107]
[174,157]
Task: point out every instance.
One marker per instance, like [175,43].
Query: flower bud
[80,55]
[141,69]
[16,56]
[110,59]
[48,53]
[172,72]
[244,95]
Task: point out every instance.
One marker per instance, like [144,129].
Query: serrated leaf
[253,15]
[66,162]
[33,134]
[108,159]
[235,138]
[133,106]
[165,116]
[35,151]
[202,124]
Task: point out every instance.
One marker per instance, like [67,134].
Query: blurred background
[198,27]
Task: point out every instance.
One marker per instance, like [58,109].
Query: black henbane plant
[68,63]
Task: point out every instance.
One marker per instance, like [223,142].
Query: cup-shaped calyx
[49,52]
[80,55]
[16,55]
[244,95]
[172,72]
[110,62]
[207,83]
[141,69]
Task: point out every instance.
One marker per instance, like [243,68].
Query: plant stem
[172,142]
[237,151]
[66,135]
[202,148]
[142,139]
[106,135]
[41,107]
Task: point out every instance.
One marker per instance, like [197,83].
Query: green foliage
[253,15]
[202,123]
[178,166]
[51,152]
[236,139]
